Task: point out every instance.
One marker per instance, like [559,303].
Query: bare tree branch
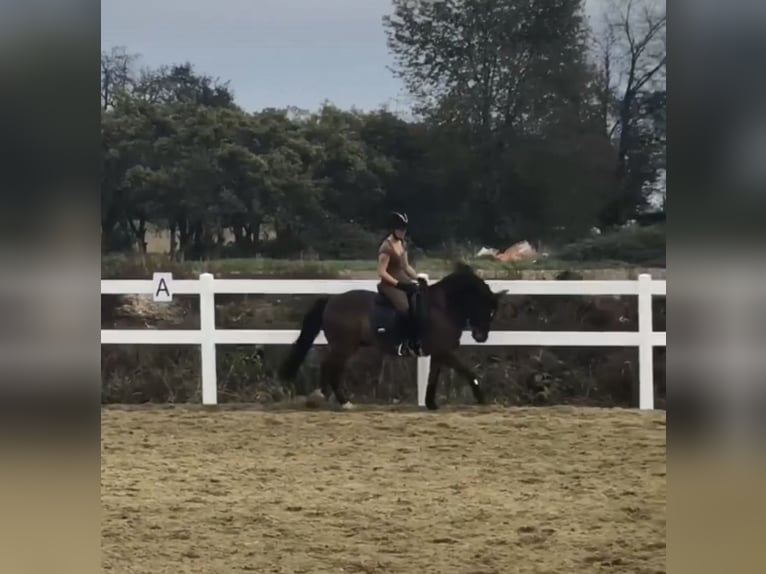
[632,49]
[650,74]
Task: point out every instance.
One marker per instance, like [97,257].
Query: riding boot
[403,330]
[414,334]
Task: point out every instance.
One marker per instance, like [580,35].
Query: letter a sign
[162,284]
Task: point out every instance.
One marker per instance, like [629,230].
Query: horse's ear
[462,267]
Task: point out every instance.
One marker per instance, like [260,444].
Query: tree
[508,84]
[180,83]
[511,145]
[117,74]
[632,54]
[353,174]
[489,63]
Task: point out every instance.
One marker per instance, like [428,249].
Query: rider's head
[398,224]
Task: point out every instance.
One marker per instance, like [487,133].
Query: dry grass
[138,266]
[555,490]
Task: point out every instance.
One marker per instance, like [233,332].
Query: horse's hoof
[347,406]
[432,406]
[317,394]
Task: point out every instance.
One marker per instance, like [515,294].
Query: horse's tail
[312,325]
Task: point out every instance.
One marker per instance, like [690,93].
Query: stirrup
[416,348]
[406,349]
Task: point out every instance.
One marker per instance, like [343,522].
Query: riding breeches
[397,297]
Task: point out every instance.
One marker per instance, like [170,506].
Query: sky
[275,53]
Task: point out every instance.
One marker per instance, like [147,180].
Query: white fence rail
[162,287]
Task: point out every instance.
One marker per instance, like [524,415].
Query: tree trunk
[183,239]
[139,234]
[173,245]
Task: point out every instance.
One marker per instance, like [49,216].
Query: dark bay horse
[356,319]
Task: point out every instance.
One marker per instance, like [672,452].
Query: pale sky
[275,53]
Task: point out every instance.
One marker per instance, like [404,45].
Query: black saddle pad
[382,301]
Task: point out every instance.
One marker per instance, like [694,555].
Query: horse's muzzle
[479,336]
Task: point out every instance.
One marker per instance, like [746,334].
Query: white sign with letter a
[161,290]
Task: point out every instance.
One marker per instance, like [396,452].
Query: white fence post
[645,346]
[424,367]
[207,326]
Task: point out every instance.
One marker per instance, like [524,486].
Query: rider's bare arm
[408,268]
[383,260]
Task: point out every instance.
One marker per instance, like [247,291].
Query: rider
[396,278]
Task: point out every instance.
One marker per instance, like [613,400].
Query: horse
[357,319]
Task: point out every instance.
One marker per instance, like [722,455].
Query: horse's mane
[463,281]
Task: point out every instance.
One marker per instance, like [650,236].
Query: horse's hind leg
[330,375]
[325,376]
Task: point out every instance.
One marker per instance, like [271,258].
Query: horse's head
[480,312]
[475,301]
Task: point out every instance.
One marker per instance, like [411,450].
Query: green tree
[490,63]
[509,86]
[180,83]
[126,139]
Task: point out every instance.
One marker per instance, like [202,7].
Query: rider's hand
[407,286]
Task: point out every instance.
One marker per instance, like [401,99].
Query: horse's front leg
[433,383]
[451,360]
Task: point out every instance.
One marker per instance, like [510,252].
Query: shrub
[636,245]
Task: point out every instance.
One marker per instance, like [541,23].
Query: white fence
[162,287]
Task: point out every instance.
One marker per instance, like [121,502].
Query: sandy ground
[559,490]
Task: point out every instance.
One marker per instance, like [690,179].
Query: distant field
[117,266]
[600,257]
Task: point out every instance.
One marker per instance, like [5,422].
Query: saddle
[383,301]
[385,320]
[384,311]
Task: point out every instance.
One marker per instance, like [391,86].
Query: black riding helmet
[398,220]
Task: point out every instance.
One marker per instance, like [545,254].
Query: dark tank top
[396,263]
